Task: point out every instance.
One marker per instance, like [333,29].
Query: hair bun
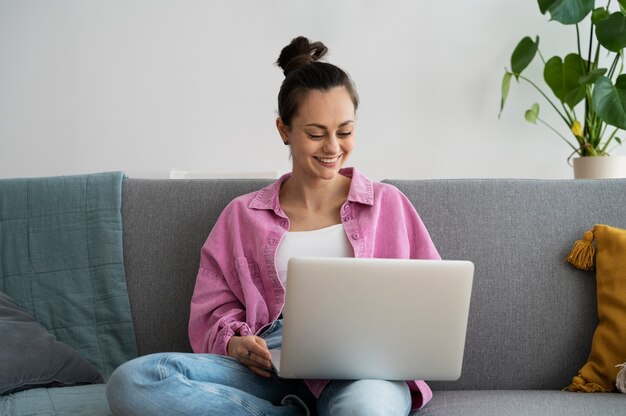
[300,52]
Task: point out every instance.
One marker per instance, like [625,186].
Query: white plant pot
[598,167]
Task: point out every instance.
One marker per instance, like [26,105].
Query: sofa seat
[86,400]
[523,403]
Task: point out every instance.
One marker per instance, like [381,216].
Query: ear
[283,130]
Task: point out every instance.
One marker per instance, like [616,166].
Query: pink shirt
[238,291]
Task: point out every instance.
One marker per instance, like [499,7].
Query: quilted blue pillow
[30,356]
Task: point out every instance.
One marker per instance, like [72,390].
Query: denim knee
[123,382]
[366,398]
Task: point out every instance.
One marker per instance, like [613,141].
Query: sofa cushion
[61,259]
[30,356]
[608,345]
[87,400]
[522,403]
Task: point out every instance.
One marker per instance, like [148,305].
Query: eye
[315,136]
[344,134]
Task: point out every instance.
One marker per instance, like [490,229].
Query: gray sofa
[532,315]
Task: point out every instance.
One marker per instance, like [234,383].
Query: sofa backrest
[165,223]
[532,315]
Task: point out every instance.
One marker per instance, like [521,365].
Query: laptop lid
[348,318]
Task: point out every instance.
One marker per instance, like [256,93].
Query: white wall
[147,86]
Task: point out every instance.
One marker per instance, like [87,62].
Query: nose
[331,145]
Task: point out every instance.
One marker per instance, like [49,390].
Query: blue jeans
[208,384]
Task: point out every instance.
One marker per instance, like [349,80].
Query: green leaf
[568,12]
[523,54]
[506,84]
[592,76]
[562,78]
[599,14]
[611,32]
[532,114]
[544,5]
[622,5]
[617,139]
[609,101]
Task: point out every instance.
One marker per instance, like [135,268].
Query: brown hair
[303,72]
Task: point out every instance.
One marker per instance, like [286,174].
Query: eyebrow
[321,126]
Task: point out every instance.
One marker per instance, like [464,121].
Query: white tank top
[326,242]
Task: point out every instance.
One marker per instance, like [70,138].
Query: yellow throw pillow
[608,346]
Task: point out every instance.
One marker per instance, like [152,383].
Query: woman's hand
[252,352]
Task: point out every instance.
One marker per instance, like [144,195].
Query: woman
[320,209]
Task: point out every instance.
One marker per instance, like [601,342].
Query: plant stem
[590,46]
[603,150]
[592,132]
[568,114]
[614,65]
[548,99]
[618,57]
[587,127]
[612,148]
[541,56]
[560,135]
[578,39]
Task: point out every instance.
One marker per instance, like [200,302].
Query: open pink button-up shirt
[238,291]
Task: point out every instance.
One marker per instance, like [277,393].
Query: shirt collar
[361,191]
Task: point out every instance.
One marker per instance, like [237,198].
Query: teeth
[327,160]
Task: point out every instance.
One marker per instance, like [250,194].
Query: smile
[327,160]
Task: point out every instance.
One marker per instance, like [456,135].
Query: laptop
[391,319]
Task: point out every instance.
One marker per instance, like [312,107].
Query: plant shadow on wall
[579,79]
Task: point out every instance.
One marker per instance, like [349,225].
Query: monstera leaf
[568,12]
[523,54]
[609,101]
[611,32]
[563,77]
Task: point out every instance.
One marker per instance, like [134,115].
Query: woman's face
[321,134]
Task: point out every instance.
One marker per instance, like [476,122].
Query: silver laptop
[347,318]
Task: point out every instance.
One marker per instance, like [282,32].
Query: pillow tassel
[583,251]
[581,385]
[620,381]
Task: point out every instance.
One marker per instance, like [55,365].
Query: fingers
[252,352]
[262,350]
[258,365]
[260,372]
[239,346]
[254,346]
[251,358]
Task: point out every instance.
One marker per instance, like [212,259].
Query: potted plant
[589,96]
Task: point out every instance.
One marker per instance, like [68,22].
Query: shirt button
[346,208]
[347,218]
[356,236]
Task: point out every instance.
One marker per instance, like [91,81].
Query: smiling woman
[321,137]
[317,106]
[320,208]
